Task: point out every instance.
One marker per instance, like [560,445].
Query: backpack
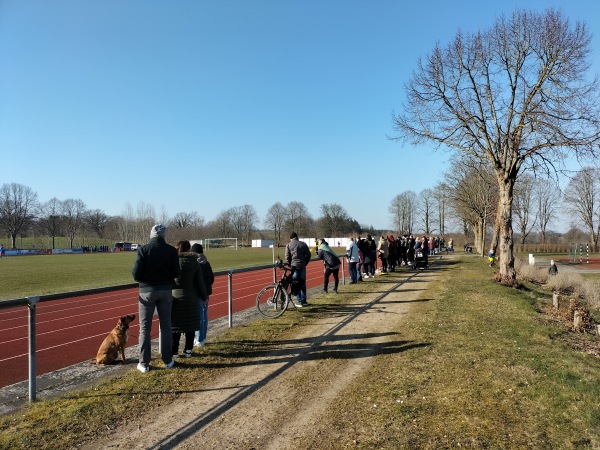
[296,285]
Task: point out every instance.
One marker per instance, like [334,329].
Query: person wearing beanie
[552,270]
[155,269]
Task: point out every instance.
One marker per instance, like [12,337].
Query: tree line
[22,215]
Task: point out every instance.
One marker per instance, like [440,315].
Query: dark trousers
[336,278]
[189,341]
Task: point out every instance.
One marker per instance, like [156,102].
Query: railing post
[230,297]
[343,270]
[32,347]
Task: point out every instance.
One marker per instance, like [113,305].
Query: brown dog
[114,343]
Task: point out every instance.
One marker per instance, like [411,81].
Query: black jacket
[156,266]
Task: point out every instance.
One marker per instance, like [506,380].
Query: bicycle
[274,299]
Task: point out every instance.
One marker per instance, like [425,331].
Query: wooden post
[555,299]
[577,320]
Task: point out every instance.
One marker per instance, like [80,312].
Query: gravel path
[278,400]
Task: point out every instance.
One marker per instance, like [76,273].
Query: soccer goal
[220,243]
[579,253]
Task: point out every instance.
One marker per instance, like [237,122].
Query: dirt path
[295,384]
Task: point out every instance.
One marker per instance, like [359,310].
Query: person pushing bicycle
[297,255]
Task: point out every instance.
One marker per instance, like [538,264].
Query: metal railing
[31,303]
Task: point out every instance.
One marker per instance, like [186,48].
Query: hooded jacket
[328,256]
[189,287]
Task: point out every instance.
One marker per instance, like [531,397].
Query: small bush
[529,273]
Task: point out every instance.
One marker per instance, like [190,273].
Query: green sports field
[24,276]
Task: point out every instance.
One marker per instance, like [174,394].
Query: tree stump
[578,320]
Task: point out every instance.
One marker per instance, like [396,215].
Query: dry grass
[566,282]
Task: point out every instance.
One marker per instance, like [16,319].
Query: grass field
[24,276]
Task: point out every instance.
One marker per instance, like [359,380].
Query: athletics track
[70,331]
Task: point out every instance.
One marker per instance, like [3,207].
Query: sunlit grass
[24,276]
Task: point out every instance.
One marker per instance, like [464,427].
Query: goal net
[220,243]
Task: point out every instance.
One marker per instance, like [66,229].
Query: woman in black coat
[189,287]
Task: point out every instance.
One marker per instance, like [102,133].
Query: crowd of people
[176,283]
[392,252]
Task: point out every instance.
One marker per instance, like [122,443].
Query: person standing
[552,270]
[369,249]
[188,288]
[353,259]
[382,252]
[332,266]
[2,251]
[209,278]
[392,253]
[297,255]
[155,269]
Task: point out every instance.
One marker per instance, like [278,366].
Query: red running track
[69,331]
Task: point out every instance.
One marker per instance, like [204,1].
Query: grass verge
[493,375]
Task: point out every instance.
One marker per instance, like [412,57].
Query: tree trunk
[506,262]
[496,235]
[483,234]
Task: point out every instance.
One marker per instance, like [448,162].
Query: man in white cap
[155,268]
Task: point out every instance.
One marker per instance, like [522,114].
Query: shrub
[565,282]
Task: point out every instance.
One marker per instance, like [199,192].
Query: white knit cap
[158,230]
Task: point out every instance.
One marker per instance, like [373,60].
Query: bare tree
[187,220]
[74,213]
[473,194]
[248,219]
[402,211]
[425,208]
[548,196]
[223,224]
[516,96]
[582,196]
[440,198]
[297,218]
[96,221]
[17,206]
[51,219]
[334,220]
[524,205]
[275,220]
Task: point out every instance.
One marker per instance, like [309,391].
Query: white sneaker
[198,343]
[143,368]
[170,365]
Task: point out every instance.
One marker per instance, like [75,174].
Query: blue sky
[204,105]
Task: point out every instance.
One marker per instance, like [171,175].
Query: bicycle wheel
[272,301]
